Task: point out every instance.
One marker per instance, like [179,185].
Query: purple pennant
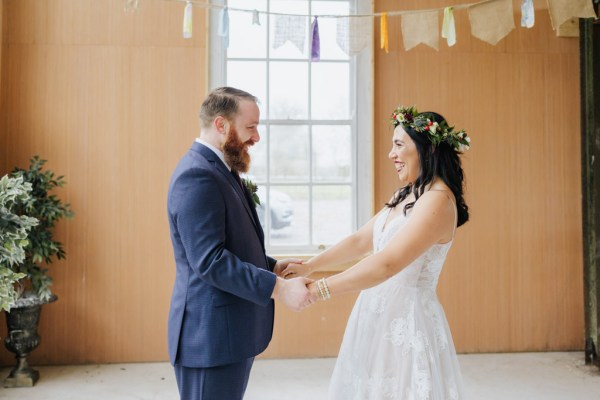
[315,46]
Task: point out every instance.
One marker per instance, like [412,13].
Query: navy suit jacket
[221,308]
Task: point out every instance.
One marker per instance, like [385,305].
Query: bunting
[187,21]
[492,21]
[353,34]
[255,18]
[223,29]
[290,28]
[315,45]
[420,28]
[527,14]
[384,32]
[561,11]
[448,27]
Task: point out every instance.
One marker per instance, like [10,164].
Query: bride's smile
[405,157]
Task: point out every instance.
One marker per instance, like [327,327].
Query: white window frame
[362,97]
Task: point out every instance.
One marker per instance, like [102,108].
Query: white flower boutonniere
[252,189]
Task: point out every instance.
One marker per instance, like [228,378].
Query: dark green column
[589,36]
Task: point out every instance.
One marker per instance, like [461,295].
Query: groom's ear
[220,124]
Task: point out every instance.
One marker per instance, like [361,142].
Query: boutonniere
[252,189]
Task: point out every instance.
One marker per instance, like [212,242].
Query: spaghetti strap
[453,206]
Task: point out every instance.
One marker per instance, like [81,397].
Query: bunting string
[491,21]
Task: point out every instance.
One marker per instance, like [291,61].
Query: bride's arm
[352,247]
[429,223]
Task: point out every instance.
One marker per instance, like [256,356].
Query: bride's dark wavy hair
[442,161]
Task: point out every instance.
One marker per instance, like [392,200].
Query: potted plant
[33,286]
[13,236]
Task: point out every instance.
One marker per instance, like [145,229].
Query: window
[313,162]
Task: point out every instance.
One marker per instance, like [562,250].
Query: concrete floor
[531,376]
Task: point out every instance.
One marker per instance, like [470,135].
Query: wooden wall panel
[111,100]
[513,281]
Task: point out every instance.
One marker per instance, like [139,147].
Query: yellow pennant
[384,32]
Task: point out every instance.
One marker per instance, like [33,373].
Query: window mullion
[268,127]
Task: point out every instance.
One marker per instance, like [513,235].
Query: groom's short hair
[223,101]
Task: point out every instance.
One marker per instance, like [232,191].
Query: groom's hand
[294,293]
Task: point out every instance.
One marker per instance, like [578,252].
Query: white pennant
[527,14]
[223,29]
[292,28]
[187,21]
[448,27]
[255,18]
[354,33]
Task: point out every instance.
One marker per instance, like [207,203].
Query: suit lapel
[242,195]
[259,230]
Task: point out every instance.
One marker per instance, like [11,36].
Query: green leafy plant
[13,236]
[48,210]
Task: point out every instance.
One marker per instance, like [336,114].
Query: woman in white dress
[397,343]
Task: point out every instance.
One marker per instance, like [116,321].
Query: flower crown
[436,132]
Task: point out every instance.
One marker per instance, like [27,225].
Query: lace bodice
[425,270]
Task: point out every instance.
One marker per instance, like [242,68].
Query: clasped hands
[293,288]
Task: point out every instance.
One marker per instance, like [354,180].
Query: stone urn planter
[22,338]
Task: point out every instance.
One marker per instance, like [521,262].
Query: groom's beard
[236,152]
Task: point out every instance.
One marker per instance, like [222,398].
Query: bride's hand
[294,270]
[281,265]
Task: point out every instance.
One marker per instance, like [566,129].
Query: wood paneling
[111,100]
[513,280]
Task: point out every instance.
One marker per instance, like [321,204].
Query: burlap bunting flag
[421,28]
[563,10]
[292,28]
[354,34]
[492,21]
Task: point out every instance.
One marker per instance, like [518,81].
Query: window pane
[328,27]
[289,153]
[258,154]
[332,214]
[332,153]
[289,50]
[288,90]
[288,206]
[249,41]
[330,90]
[250,76]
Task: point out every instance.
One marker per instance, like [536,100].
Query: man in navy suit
[221,313]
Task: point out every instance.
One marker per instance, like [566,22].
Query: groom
[221,313]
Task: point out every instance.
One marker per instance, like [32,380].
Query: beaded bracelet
[323,289]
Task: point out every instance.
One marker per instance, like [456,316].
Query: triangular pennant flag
[354,33]
[448,26]
[422,27]
[223,29]
[384,32]
[492,21]
[527,14]
[315,43]
[561,10]
[292,28]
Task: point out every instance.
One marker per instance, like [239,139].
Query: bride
[397,342]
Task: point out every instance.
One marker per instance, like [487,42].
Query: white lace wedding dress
[397,343]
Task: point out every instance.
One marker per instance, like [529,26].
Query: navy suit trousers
[225,382]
